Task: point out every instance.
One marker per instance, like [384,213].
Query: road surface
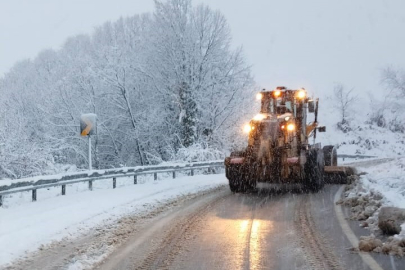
[267,229]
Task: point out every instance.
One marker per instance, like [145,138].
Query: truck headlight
[290,127]
[247,128]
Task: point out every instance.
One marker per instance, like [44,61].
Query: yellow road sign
[88,124]
[86,131]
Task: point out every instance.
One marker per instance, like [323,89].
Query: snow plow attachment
[334,174]
[339,174]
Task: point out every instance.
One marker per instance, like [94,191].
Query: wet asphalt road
[247,231]
[267,229]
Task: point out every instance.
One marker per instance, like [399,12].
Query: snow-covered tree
[161,84]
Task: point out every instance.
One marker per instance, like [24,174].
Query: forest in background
[164,86]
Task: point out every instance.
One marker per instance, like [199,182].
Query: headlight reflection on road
[255,246]
[238,236]
[244,226]
[248,245]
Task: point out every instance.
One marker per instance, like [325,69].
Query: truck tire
[233,186]
[314,170]
[238,180]
[330,155]
[235,178]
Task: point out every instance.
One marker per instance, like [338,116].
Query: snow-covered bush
[198,152]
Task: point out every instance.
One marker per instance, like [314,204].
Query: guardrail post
[192,172]
[63,189]
[1,201]
[34,195]
[135,179]
[174,174]
[155,176]
[114,182]
[90,184]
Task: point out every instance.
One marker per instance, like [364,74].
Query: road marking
[350,234]
[392,262]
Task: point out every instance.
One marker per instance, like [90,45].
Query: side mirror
[311,106]
[322,129]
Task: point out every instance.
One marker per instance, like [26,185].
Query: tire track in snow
[318,252]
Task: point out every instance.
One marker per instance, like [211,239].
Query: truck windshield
[277,106]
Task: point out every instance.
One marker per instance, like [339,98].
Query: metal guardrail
[90,177]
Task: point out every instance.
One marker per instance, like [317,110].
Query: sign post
[88,128]
[90,165]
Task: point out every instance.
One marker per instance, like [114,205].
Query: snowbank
[382,185]
[388,179]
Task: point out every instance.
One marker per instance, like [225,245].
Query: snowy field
[29,225]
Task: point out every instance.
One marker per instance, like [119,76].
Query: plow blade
[339,174]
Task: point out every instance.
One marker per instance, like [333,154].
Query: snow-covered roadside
[383,184]
[388,179]
[24,228]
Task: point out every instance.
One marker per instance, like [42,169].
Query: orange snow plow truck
[278,150]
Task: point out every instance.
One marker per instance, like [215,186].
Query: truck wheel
[249,185]
[233,186]
[250,177]
[330,155]
[238,184]
[235,178]
[314,171]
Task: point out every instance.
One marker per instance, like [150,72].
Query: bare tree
[394,80]
[344,101]
[393,107]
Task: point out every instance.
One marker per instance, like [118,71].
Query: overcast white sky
[312,43]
